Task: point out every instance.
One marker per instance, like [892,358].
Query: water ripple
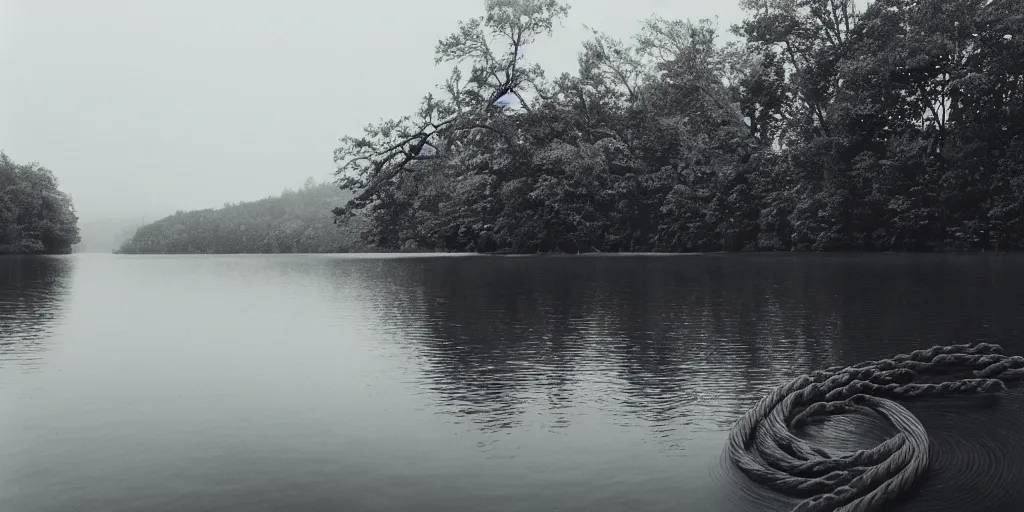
[976,452]
[32,295]
[668,352]
[474,383]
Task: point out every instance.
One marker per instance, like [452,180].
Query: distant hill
[294,222]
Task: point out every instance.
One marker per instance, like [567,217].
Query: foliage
[36,217]
[893,127]
[294,222]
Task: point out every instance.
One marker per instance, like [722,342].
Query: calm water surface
[333,383]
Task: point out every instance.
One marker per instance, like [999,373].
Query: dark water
[322,383]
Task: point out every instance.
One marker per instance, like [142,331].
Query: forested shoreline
[36,217]
[893,128]
[297,221]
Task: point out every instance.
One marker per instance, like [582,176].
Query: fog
[145,108]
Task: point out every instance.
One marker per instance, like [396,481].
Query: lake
[443,383]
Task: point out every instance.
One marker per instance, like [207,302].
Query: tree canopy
[827,127]
[36,217]
[294,222]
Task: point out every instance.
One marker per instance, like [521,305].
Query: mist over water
[466,383]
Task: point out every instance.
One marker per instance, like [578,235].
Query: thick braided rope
[762,443]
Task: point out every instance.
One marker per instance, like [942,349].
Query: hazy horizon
[143,110]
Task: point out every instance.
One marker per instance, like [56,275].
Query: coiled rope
[763,445]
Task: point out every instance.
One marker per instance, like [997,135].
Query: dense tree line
[897,126]
[36,217]
[294,222]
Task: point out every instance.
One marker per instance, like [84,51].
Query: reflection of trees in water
[671,338]
[885,304]
[659,339]
[32,294]
[496,335]
[499,339]
[705,337]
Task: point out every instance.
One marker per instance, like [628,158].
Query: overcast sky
[144,107]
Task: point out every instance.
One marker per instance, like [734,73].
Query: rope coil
[762,443]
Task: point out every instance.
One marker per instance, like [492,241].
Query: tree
[827,128]
[35,215]
[491,46]
[294,222]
